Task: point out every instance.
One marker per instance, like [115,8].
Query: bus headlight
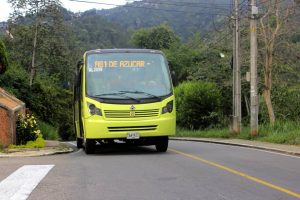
[168,108]
[94,110]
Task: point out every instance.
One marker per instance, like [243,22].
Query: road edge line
[239,145]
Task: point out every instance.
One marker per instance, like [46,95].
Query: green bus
[123,95]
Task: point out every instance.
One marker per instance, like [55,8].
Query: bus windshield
[127,75]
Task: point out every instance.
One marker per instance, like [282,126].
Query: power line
[148,8]
[197,3]
[184,4]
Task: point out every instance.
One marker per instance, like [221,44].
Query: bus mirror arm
[173,76]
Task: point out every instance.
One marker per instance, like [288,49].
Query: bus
[123,96]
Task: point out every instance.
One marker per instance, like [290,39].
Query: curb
[38,153]
[238,145]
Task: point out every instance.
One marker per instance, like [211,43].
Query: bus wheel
[162,144]
[89,146]
[79,143]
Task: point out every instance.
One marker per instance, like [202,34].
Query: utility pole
[253,70]
[237,110]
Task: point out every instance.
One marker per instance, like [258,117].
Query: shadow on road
[124,149]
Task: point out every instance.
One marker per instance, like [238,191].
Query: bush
[49,132]
[46,98]
[65,131]
[198,104]
[286,104]
[38,143]
[54,104]
[27,129]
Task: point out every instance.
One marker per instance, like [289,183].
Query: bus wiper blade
[118,94]
[141,92]
[108,94]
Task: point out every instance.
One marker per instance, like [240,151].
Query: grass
[49,132]
[281,133]
[207,133]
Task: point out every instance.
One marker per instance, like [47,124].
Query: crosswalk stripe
[20,184]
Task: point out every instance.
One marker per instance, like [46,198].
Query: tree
[271,27]
[159,37]
[3,58]
[36,9]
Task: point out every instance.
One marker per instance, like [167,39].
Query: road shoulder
[280,148]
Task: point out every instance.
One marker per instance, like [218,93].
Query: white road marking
[20,184]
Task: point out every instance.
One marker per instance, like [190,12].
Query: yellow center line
[257,180]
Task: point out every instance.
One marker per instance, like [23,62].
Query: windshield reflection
[139,75]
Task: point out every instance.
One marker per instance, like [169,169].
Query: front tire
[90,146]
[162,144]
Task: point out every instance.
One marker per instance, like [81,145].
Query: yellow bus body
[118,120]
[96,127]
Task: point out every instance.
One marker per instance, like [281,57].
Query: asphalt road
[189,170]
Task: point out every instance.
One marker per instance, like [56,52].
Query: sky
[5,8]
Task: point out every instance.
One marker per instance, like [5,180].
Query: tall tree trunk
[267,93]
[267,97]
[32,69]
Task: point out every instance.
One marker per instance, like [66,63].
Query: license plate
[133,135]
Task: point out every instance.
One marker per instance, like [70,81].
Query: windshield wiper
[117,94]
[141,92]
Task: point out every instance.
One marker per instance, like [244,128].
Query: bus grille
[131,114]
[132,128]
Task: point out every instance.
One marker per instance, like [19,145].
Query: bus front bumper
[102,129]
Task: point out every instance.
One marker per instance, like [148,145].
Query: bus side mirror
[79,64]
[173,76]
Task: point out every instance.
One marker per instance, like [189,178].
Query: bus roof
[124,51]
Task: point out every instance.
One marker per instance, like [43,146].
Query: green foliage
[203,133]
[282,132]
[46,98]
[15,80]
[95,32]
[182,59]
[3,58]
[27,129]
[31,7]
[159,37]
[53,103]
[49,131]
[198,104]
[286,104]
[38,143]
[185,23]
